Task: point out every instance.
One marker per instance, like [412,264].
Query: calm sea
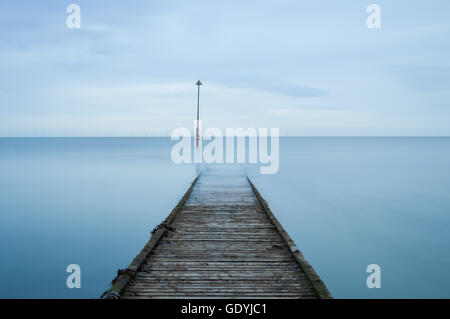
[346,202]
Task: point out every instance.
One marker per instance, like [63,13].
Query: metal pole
[197,133]
[198,103]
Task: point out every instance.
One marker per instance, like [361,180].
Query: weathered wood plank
[221,241]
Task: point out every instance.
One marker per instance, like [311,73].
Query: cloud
[422,77]
[295,91]
[290,111]
[269,86]
[312,64]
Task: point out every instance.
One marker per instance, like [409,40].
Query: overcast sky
[310,68]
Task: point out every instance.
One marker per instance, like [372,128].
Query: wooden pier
[220,241]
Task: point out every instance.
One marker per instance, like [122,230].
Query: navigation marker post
[197,133]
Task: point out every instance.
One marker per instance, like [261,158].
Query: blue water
[352,202]
[91,202]
[346,202]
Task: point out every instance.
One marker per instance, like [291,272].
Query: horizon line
[288,136]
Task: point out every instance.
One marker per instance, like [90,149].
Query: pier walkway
[221,241]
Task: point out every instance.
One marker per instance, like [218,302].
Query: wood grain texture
[220,243]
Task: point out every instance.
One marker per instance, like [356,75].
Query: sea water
[346,202]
